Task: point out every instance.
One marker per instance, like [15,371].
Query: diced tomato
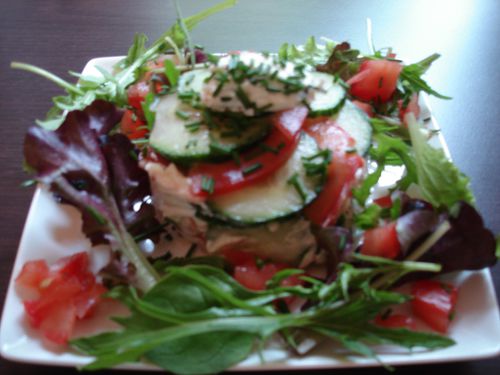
[136,94]
[376,80]
[32,274]
[381,241]
[365,107]
[132,126]
[65,292]
[384,202]
[59,322]
[411,107]
[327,207]
[250,275]
[270,155]
[239,257]
[434,302]
[396,321]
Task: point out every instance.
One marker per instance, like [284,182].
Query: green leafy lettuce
[440,181]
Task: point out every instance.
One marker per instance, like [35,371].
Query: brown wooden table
[63,35]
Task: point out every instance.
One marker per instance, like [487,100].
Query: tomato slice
[434,302]
[32,274]
[376,80]
[269,156]
[66,292]
[327,207]
[132,126]
[381,241]
[396,321]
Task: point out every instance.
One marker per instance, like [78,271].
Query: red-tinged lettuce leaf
[130,185]
[468,245]
[99,175]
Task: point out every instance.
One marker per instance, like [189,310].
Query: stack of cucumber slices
[189,133]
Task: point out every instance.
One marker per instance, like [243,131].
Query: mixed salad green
[243,197]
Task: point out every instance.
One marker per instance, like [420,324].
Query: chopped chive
[226,98]
[193,126]
[274,150]
[191,143]
[207,184]
[317,164]
[186,95]
[182,114]
[251,168]
[219,148]
[242,96]
[297,184]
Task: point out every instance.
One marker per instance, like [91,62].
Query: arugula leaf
[362,192]
[135,51]
[369,217]
[218,316]
[311,53]
[172,73]
[442,184]
[411,77]
[112,87]
[149,114]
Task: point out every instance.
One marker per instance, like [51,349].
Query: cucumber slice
[192,81]
[355,122]
[328,101]
[275,197]
[182,134]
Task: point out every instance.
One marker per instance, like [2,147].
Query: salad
[245,197]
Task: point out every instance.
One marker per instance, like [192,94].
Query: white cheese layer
[251,82]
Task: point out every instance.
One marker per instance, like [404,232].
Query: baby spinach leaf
[203,354]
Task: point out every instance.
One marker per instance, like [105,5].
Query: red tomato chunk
[376,80]
[381,241]
[66,292]
[248,273]
[434,302]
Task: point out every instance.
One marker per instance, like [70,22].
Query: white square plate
[52,231]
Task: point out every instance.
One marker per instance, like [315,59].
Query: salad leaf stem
[48,75]
[430,241]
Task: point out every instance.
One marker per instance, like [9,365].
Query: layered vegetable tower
[249,147]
